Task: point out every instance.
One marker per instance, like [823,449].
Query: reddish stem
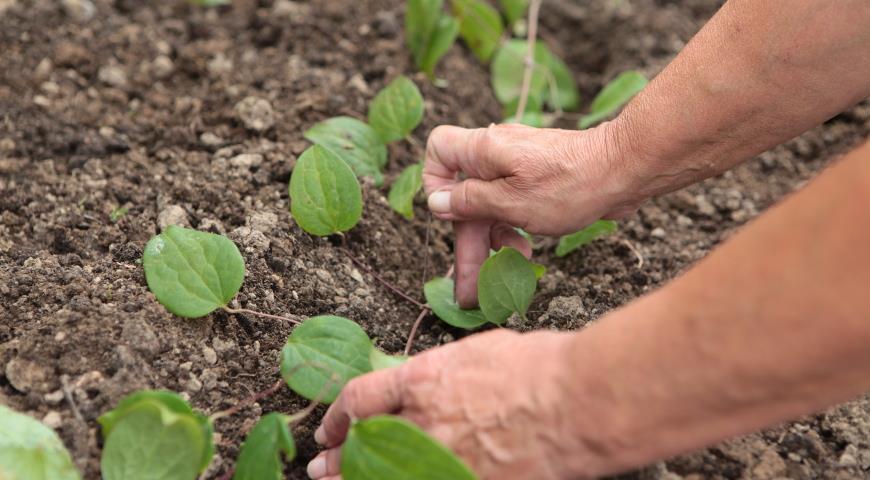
[384,282]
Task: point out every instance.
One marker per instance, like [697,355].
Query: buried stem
[261,314]
[384,282]
[246,402]
[419,320]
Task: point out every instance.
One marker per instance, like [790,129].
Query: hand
[483,397]
[545,181]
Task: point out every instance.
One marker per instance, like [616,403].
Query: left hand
[497,399]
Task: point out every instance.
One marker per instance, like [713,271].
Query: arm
[759,73]
[751,336]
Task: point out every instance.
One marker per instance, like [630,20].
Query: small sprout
[514,10]
[354,142]
[612,97]
[569,243]
[381,360]
[334,344]
[405,188]
[325,196]
[192,273]
[429,33]
[260,455]
[155,434]
[540,270]
[439,296]
[30,450]
[506,285]
[396,110]
[480,26]
[386,446]
[118,214]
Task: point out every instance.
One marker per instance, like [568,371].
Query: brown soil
[133,104]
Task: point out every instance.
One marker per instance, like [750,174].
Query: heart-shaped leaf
[385,446]
[322,354]
[569,243]
[439,296]
[354,142]
[405,188]
[191,272]
[508,66]
[260,456]
[30,450]
[396,110]
[612,97]
[151,441]
[381,360]
[325,196]
[480,26]
[446,31]
[506,285]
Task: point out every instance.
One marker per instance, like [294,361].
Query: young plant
[325,196]
[355,142]
[480,27]
[30,450]
[405,189]
[261,452]
[439,296]
[613,97]
[396,110]
[389,447]
[155,434]
[569,243]
[514,10]
[551,81]
[429,33]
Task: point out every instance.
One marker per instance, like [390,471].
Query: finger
[472,248]
[451,150]
[475,199]
[504,235]
[371,394]
[325,464]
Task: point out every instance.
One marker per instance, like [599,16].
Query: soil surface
[109,104]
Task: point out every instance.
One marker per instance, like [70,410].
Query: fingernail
[439,202]
[317,467]
[320,435]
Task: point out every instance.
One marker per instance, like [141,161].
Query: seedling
[569,243]
[514,10]
[396,110]
[429,33]
[325,196]
[439,296]
[118,214]
[355,142]
[613,97]
[480,27]
[30,450]
[261,452]
[386,446]
[551,81]
[405,188]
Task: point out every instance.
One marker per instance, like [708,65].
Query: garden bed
[122,117]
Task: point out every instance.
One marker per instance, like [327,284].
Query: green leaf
[168,400]
[191,272]
[385,446]
[540,270]
[396,110]
[325,351]
[569,243]
[565,95]
[354,142]
[381,360]
[532,116]
[325,196]
[446,31]
[421,19]
[30,450]
[506,285]
[480,26]
[514,9]
[260,455]
[439,296]
[508,66]
[405,188]
[612,97]
[118,214]
[151,441]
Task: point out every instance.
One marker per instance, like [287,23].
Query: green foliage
[429,32]
[385,446]
[210,3]
[381,360]
[540,270]
[612,97]
[480,26]
[405,188]
[514,9]
[439,296]
[396,110]
[325,352]
[507,69]
[191,272]
[565,94]
[354,142]
[569,243]
[506,285]
[155,435]
[325,196]
[118,214]
[532,116]
[260,455]
[31,451]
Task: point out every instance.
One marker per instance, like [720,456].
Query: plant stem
[419,320]
[534,8]
[246,402]
[261,314]
[384,282]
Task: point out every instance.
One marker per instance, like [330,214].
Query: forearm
[758,74]
[774,324]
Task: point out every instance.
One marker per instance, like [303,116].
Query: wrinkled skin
[507,421]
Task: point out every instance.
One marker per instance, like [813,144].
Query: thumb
[476,199]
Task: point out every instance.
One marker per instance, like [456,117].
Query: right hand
[545,181]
